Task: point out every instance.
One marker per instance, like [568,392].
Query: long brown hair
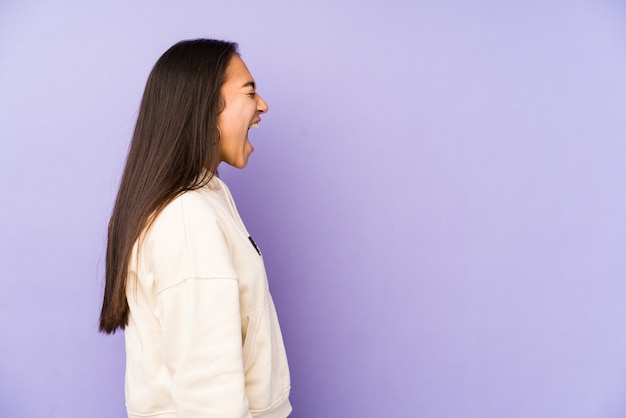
[174,149]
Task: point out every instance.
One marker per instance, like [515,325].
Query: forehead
[237,72]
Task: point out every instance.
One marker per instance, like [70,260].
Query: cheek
[234,118]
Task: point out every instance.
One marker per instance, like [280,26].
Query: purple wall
[439,190]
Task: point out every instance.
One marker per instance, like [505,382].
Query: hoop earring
[219,135]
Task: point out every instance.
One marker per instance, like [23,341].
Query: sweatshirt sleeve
[198,302]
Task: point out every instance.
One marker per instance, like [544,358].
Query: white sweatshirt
[203,338]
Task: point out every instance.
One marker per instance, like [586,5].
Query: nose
[261,104]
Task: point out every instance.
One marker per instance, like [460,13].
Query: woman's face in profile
[242,107]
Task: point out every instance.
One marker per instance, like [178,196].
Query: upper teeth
[254,125]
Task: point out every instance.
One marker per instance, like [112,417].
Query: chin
[241,164]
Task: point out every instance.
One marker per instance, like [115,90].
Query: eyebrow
[250,84]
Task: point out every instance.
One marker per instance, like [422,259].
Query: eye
[253,94]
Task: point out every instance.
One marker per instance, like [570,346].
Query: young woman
[184,279]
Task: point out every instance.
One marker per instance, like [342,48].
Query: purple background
[438,190]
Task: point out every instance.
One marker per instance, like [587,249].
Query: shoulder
[189,207]
[187,239]
[191,216]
